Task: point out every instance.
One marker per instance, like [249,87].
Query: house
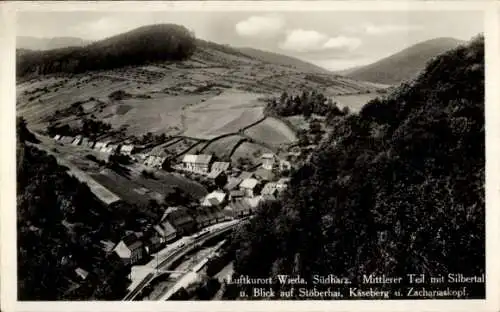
[166,231]
[111,148]
[238,209]
[127,149]
[269,188]
[99,145]
[67,139]
[81,273]
[222,166]
[232,184]
[181,220]
[215,198]
[57,137]
[107,246]
[245,175]
[197,163]
[85,142]
[268,161]
[77,140]
[264,174]
[130,249]
[153,244]
[248,186]
[282,184]
[89,143]
[236,194]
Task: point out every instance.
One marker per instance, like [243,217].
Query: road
[177,254]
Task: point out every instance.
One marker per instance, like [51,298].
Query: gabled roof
[232,183]
[249,183]
[126,148]
[57,137]
[214,174]
[268,156]
[132,241]
[165,228]
[245,175]
[237,193]
[203,159]
[189,158]
[82,273]
[214,198]
[269,189]
[220,166]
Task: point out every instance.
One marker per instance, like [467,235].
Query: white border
[8,162]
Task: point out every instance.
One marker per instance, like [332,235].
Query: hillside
[397,188]
[284,60]
[34,43]
[405,64]
[171,94]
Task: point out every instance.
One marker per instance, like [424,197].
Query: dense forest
[166,42]
[60,227]
[307,103]
[397,188]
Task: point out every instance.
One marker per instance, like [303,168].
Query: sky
[335,40]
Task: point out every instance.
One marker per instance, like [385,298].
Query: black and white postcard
[323,155]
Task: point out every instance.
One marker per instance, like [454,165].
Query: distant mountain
[404,64]
[284,60]
[34,43]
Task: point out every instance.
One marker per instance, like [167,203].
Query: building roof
[220,166]
[214,174]
[283,181]
[165,228]
[245,175]
[82,273]
[132,241]
[237,193]
[268,156]
[57,137]
[214,198]
[269,189]
[189,158]
[232,183]
[254,201]
[249,183]
[203,159]
[67,139]
[178,216]
[107,245]
[264,174]
[126,148]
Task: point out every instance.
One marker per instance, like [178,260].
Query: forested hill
[163,42]
[398,188]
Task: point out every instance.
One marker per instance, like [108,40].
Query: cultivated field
[223,147]
[249,150]
[223,114]
[272,131]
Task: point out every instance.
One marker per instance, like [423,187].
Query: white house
[268,160]
[248,186]
[213,199]
[127,149]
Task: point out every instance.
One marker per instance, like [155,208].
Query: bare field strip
[272,131]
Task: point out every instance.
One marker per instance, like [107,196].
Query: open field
[249,150]
[222,147]
[160,114]
[223,114]
[355,101]
[272,131]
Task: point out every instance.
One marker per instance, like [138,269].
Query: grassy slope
[404,64]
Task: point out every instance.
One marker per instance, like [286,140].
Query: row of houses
[101,146]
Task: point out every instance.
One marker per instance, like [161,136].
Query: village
[234,193]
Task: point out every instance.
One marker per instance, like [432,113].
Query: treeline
[398,188]
[88,128]
[165,42]
[307,103]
